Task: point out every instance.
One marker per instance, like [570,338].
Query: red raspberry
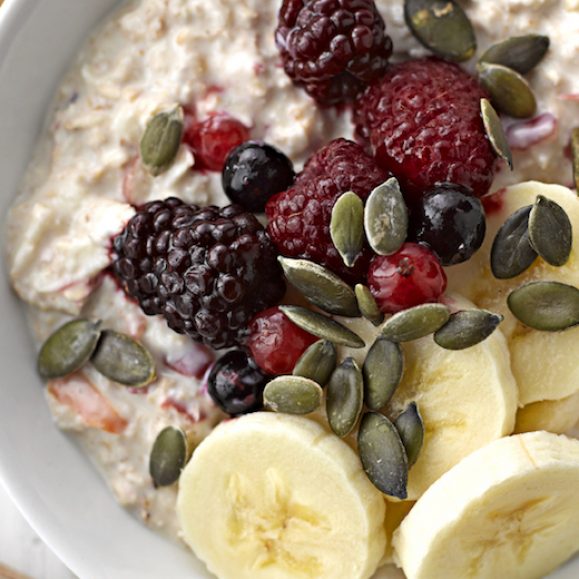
[212,139]
[423,122]
[332,48]
[299,218]
[276,343]
[411,277]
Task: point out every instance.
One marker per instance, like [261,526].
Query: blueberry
[236,383]
[254,172]
[452,222]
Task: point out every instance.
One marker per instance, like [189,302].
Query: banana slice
[466,398]
[558,416]
[508,510]
[544,364]
[276,496]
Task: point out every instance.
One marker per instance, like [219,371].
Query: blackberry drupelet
[207,270]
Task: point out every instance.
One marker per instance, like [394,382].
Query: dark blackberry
[207,270]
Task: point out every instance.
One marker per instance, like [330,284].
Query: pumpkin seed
[521,53]
[546,305]
[411,429]
[415,323]
[383,455]
[124,360]
[575,153]
[496,132]
[170,454]
[345,397]
[512,253]
[318,362]
[161,141]
[386,218]
[292,395]
[466,329]
[383,369]
[510,92]
[68,349]
[321,287]
[347,227]
[367,305]
[441,26]
[322,326]
[550,231]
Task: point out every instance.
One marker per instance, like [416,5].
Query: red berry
[299,218]
[332,48]
[411,277]
[212,139]
[276,343]
[423,122]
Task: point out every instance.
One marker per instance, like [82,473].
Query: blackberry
[207,270]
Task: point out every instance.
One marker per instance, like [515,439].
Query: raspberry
[299,218]
[332,48]
[411,277]
[212,139]
[276,343]
[208,270]
[423,122]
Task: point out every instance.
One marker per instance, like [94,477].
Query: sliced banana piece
[558,416]
[544,364]
[276,496]
[466,398]
[510,510]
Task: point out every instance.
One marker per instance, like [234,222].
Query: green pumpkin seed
[170,454]
[411,429]
[547,306]
[510,92]
[575,153]
[318,362]
[161,141]
[512,253]
[345,398]
[321,287]
[383,455]
[550,231]
[322,326]
[347,227]
[292,395]
[386,218]
[368,306]
[68,349]
[466,329]
[416,323]
[441,26]
[496,132]
[124,360]
[521,53]
[383,369]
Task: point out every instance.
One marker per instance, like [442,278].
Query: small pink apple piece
[526,134]
[194,360]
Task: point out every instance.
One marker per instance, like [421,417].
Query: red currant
[410,277]
[212,139]
[276,343]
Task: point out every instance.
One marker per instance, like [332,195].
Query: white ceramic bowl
[51,481]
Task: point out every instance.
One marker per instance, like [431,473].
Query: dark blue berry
[236,383]
[254,172]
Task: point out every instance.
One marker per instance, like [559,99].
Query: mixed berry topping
[299,218]
[207,270]
[212,139]
[423,122]
[411,277]
[332,48]
[452,222]
[236,384]
[254,172]
[276,343]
